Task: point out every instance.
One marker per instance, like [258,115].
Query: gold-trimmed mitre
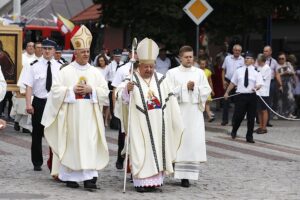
[147,51]
[82,38]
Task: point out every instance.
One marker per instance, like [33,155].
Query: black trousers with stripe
[244,104]
[37,131]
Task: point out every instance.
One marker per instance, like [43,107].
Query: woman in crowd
[286,98]
[101,64]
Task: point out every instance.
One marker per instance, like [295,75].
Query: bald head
[267,51]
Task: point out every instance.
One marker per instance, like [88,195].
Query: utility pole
[17,10]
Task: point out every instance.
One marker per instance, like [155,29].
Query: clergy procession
[159,117]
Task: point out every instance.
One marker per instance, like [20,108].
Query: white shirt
[3,85]
[112,68]
[26,58]
[265,73]
[230,65]
[162,66]
[104,71]
[273,65]
[121,74]
[36,76]
[254,79]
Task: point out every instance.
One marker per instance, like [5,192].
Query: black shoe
[233,135]
[72,184]
[119,165]
[185,183]
[145,189]
[17,126]
[37,168]
[89,184]
[269,125]
[26,130]
[140,189]
[224,123]
[250,141]
[94,180]
[211,119]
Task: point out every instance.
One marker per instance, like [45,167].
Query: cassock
[74,125]
[192,103]
[155,129]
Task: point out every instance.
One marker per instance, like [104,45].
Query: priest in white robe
[192,90]
[155,123]
[73,119]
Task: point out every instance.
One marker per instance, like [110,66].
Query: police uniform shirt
[121,74]
[36,76]
[273,65]
[254,79]
[112,68]
[230,65]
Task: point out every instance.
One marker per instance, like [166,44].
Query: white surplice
[192,104]
[74,126]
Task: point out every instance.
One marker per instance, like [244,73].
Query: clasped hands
[82,89]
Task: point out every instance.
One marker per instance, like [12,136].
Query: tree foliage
[166,22]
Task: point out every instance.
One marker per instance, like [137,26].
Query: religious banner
[11,54]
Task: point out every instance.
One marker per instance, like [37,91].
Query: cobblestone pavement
[268,169]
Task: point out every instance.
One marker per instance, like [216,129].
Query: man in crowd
[38,81]
[155,121]
[163,63]
[73,118]
[192,90]
[230,65]
[247,81]
[275,80]
[21,117]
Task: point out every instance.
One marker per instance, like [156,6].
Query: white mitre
[147,51]
[82,38]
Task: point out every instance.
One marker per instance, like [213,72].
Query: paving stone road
[268,169]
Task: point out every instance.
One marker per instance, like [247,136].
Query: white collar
[80,67]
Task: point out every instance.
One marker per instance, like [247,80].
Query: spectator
[287,75]
[163,63]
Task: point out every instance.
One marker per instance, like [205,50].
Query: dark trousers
[244,104]
[7,97]
[226,104]
[121,141]
[37,131]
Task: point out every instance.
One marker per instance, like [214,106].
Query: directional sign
[197,10]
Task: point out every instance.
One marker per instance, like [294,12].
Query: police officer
[38,81]
[247,80]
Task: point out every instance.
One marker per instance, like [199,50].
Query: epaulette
[34,62]
[59,62]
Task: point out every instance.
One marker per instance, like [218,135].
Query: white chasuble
[192,103]
[73,123]
[155,127]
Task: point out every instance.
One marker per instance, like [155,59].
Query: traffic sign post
[197,10]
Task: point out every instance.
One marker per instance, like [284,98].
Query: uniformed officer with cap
[57,55]
[38,81]
[247,80]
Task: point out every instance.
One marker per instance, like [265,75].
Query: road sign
[197,10]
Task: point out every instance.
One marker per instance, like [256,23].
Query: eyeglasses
[281,58]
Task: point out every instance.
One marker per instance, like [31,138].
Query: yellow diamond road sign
[197,10]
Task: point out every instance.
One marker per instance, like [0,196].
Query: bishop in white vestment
[73,119]
[192,89]
[155,123]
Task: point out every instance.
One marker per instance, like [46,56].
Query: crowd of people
[72,104]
